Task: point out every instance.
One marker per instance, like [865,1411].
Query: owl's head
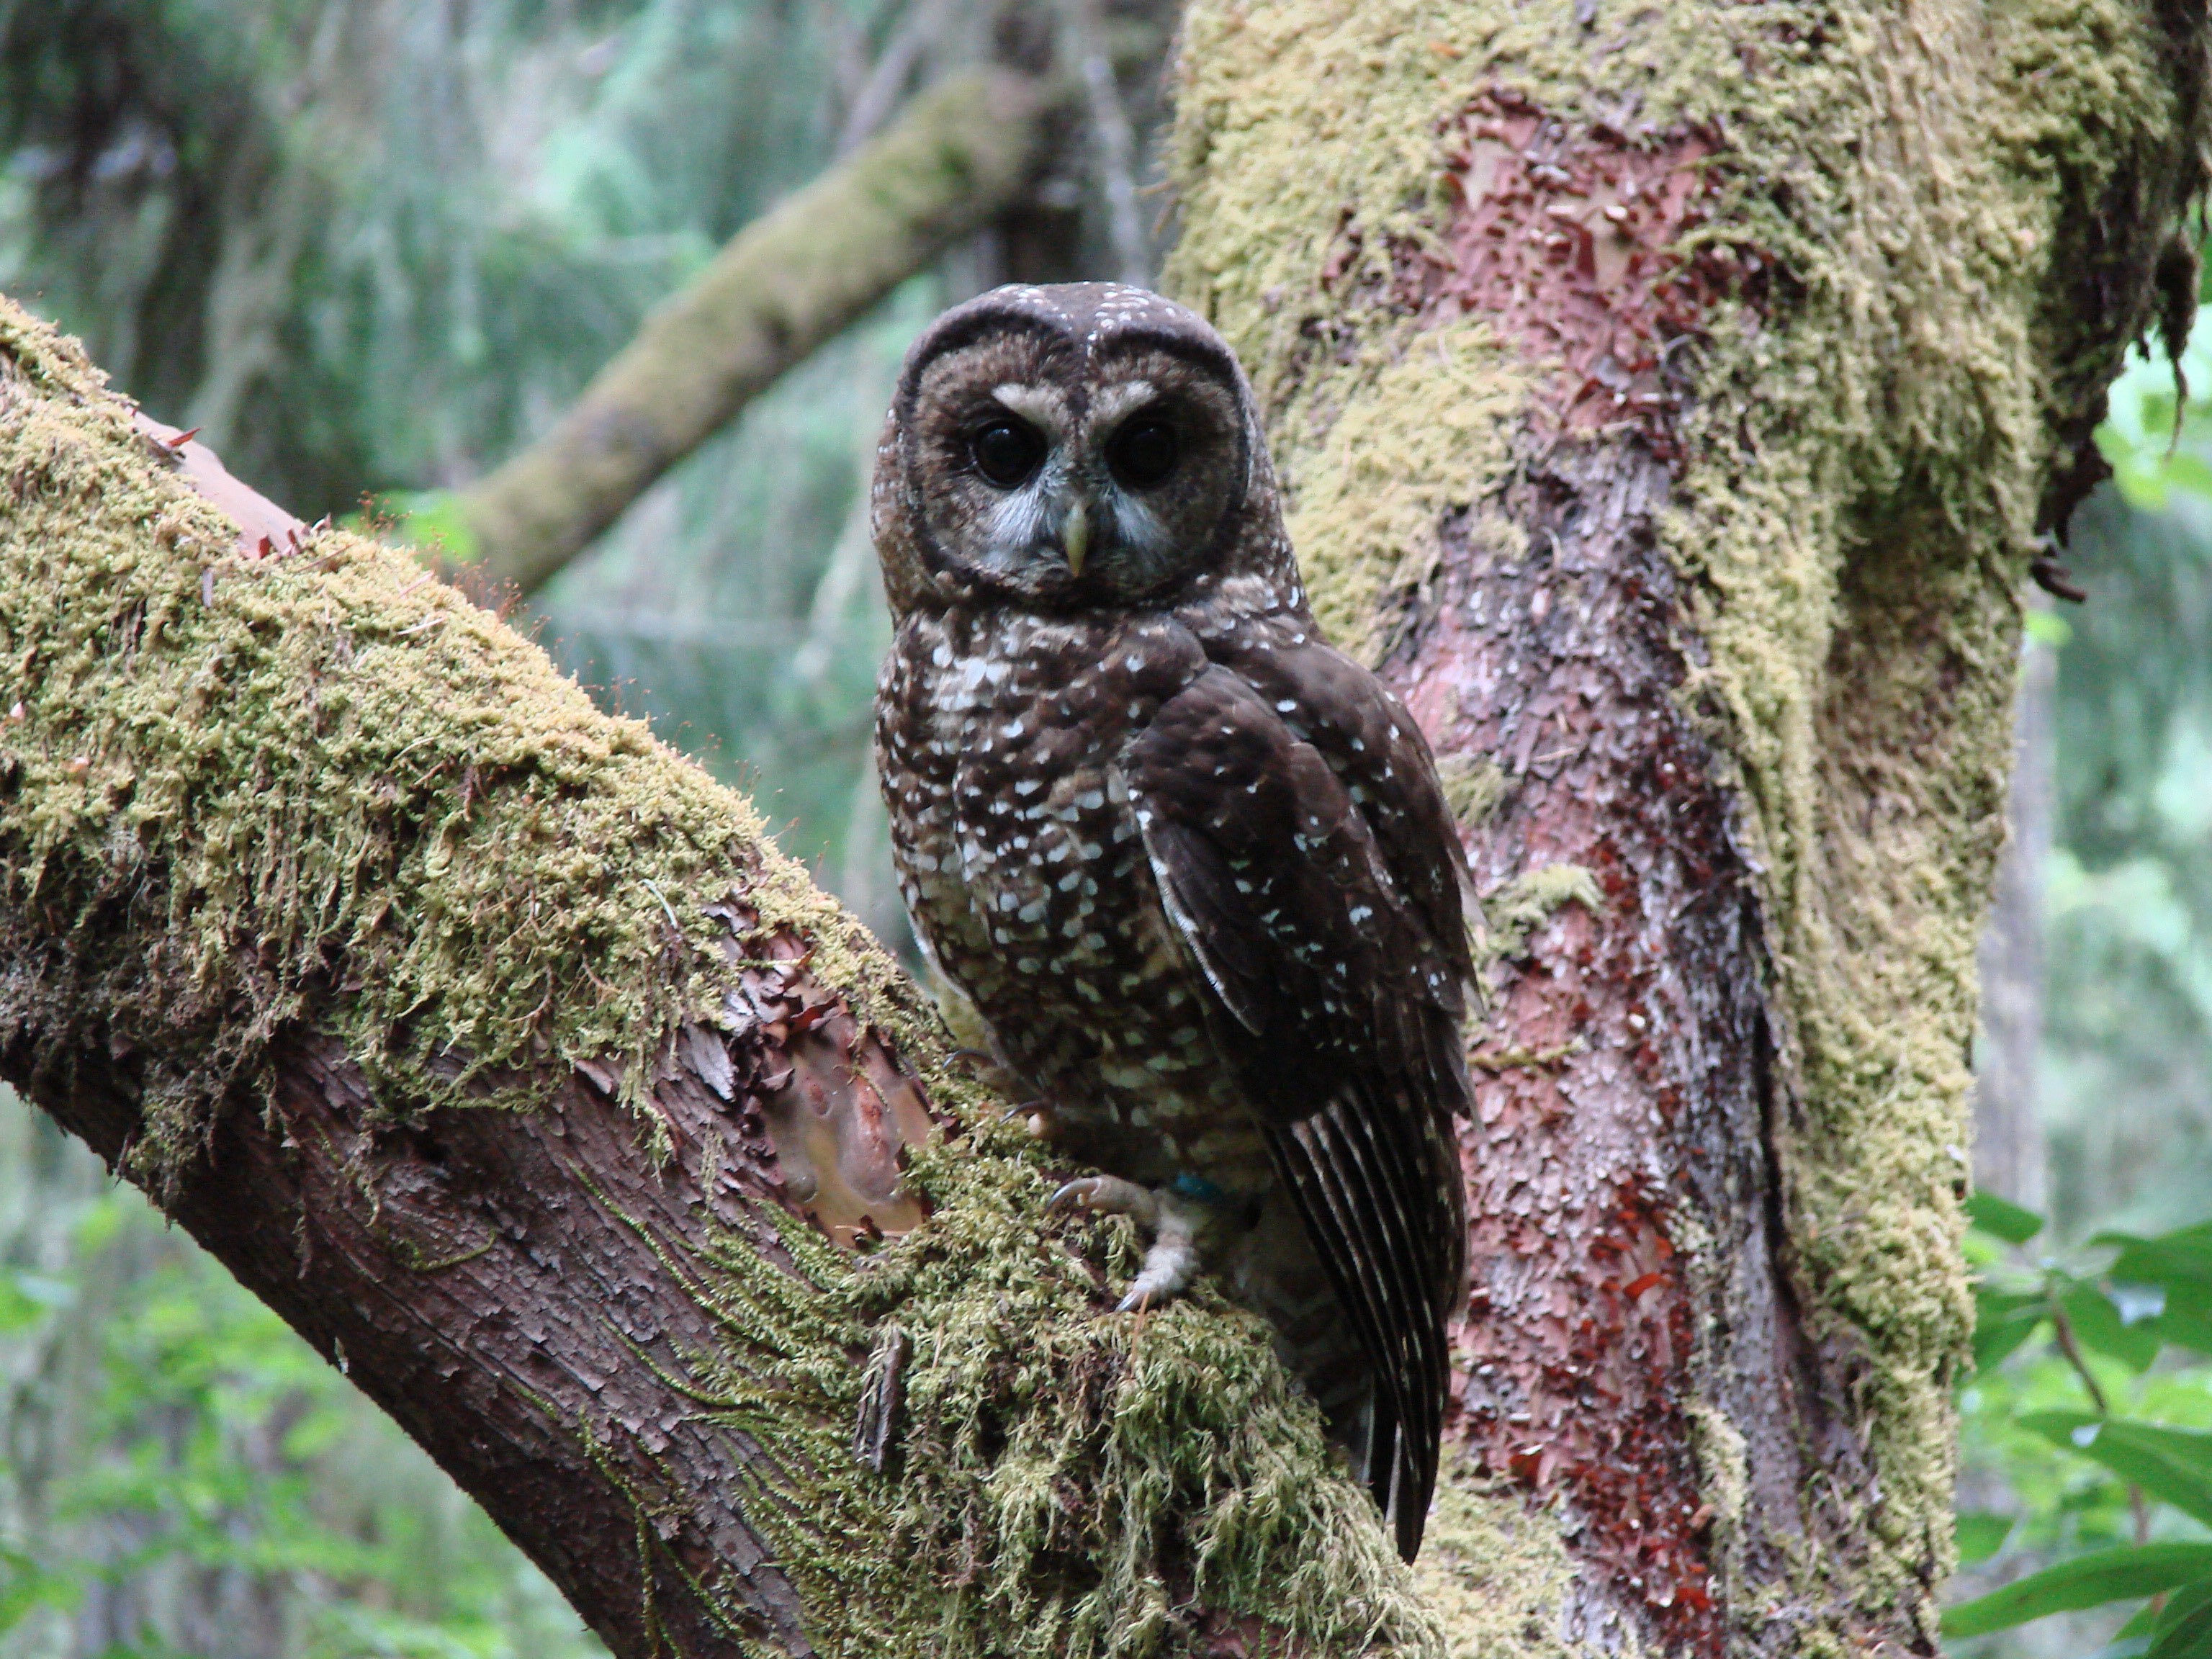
[1069,447]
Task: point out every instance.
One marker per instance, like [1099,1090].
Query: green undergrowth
[238,792]
[1872,434]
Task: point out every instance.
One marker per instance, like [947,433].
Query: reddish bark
[501,1283]
[1563,666]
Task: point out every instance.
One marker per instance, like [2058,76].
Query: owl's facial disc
[1086,499]
[1072,482]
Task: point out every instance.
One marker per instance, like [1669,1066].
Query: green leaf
[2003,1321]
[2184,1628]
[2087,1580]
[2046,628]
[2179,1260]
[1982,1533]
[2185,1328]
[2099,1326]
[2172,1465]
[2000,1215]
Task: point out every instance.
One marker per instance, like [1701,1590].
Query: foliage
[2093,1395]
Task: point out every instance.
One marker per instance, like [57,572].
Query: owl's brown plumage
[1192,866]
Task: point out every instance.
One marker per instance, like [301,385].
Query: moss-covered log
[495,1046]
[1673,399]
[960,154]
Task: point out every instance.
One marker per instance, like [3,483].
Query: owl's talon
[1108,1195]
[1169,1266]
[1174,1222]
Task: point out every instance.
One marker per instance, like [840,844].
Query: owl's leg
[1173,1221]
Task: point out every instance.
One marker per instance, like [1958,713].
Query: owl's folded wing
[1348,1005]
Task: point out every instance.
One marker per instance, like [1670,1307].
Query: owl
[1191,866]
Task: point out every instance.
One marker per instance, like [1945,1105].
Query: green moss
[1525,903]
[1497,1575]
[1404,417]
[1472,788]
[1174,1450]
[1724,1468]
[247,791]
[1061,1480]
[1866,456]
[338,769]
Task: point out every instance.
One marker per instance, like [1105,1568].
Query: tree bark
[962,153]
[1671,400]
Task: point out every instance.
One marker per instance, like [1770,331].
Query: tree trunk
[1671,400]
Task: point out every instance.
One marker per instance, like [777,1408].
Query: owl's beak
[1075,538]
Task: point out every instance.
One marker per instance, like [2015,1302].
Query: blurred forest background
[370,248]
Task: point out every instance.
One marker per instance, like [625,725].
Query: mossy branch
[960,154]
[499,1050]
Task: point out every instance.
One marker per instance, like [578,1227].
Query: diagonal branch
[497,1049]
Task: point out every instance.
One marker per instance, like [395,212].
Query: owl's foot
[1174,1222]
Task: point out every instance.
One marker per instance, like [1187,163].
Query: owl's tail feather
[1390,1469]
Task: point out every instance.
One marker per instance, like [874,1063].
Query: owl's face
[1062,448]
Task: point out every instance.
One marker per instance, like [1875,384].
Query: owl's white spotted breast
[1022,864]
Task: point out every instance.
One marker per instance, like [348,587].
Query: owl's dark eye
[1007,452]
[1142,453]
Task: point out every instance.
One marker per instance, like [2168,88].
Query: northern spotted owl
[1191,866]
